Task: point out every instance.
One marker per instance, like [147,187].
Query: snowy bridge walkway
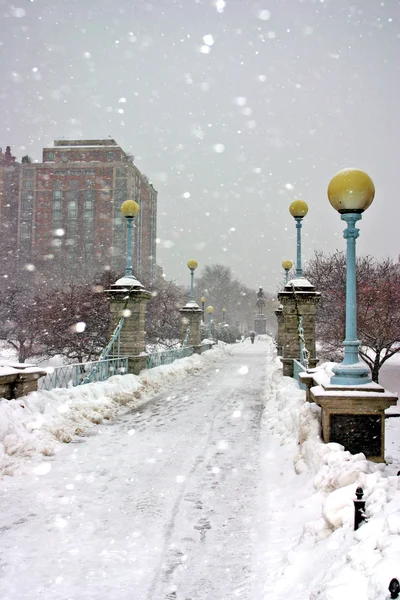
[168,502]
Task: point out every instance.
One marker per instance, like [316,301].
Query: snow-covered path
[164,503]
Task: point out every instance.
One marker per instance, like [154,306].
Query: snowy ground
[217,487]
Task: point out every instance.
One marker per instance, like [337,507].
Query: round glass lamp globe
[203,299]
[298,209]
[192,264]
[287,265]
[130,208]
[210,309]
[351,190]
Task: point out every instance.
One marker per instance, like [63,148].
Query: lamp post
[223,314]
[129,209]
[203,302]
[209,311]
[351,192]
[192,264]
[287,265]
[298,209]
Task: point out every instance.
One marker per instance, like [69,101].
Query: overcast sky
[232,108]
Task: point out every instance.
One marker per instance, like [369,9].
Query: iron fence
[297,369]
[72,375]
[167,356]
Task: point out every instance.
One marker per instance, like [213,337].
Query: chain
[304,353]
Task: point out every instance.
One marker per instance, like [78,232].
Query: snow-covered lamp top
[351,190]
[298,209]
[287,265]
[192,264]
[130,208]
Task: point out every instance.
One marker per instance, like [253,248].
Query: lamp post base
[355,374]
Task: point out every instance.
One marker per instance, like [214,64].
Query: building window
[28,173]
[89,195]
[50,156]
[57,194]
[27,184]
[72,210]
[110,155]
[121,184]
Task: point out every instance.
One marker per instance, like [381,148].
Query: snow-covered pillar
[128,299]
[279,335]
[298,298]
[192,316]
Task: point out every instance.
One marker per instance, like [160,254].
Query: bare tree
[163,320]
[21,322]
[378,306]
[221,289]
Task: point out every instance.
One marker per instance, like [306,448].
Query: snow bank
[348,564]
[37,424]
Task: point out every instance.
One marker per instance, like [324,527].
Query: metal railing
[73,375]
[297,369]
[111,351]
[167,356]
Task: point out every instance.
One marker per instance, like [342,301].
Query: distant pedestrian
[252,336]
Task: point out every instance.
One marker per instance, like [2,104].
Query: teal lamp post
[298,209]
[203,302]
[192,264]
[351,192]
[130,210]
[209,311]
[287,265]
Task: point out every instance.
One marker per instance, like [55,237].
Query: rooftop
[85,143]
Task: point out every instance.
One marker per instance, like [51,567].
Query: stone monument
[260,320]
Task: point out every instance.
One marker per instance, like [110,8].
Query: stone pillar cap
[300,283]
[126,284]
[192,305]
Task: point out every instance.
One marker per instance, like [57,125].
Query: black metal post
[394,588]
[359,508]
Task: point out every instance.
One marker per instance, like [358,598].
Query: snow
[203,479]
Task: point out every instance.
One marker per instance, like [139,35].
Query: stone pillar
[354,416]
[298,297]
[128,298]
[192,316]
[260,324]
[279,335]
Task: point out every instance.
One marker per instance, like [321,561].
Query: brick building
[69,207]
[9,193]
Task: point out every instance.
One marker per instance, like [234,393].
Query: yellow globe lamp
[203,299]
[130,208]
[192,264]
[287,265]
[351,191]
[298,209]
[210,310]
